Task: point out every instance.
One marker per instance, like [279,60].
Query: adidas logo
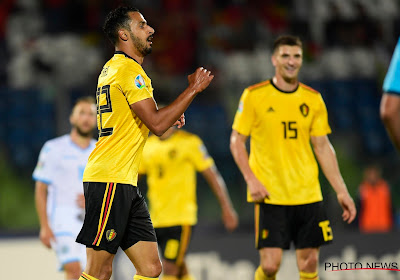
[270,109]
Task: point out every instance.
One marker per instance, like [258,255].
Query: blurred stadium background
[52,51]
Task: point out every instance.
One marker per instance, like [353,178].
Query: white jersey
[61,164]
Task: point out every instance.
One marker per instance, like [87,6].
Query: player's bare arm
[46,234]
[158,121]
[238,149]
[218,186]
[390,115]
[326,157]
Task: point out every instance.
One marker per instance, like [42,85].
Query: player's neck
[79,140]
[132,53]
[284,85]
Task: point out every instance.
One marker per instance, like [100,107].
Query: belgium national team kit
[280,125]
[171,165]
[116,212]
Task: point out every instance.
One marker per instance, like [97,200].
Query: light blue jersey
[391,83]
[60,166]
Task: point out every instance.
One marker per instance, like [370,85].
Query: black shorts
[174,242]
[277,225]
[116,216]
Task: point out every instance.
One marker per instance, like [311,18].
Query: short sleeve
[135,85]
[244,117]
[46,165]
[391,83]
[199,155]
[320,125]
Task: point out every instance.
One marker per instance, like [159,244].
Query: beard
[86,134]
[140,45]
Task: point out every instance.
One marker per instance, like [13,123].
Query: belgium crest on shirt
[304,109]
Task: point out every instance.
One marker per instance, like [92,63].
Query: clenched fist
[200,79]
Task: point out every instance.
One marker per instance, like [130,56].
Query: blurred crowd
[52,52]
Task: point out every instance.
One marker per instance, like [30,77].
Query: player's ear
[273,60]
[123,35]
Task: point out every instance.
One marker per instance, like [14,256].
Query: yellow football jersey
[280,125]
[171,166]
[122,134]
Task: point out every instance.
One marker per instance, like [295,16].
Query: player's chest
[71,161]
[169,154]
[274,111]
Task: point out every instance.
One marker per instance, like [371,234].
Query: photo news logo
[343,266]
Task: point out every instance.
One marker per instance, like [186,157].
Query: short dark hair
[116,19]
[289,40]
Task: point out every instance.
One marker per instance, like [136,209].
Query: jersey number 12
[107,108]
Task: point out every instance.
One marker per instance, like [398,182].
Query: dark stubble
[86,134]
[140,45]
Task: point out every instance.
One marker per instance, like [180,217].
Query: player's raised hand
[200,79]
[257,190]
[46,236]
[348,206]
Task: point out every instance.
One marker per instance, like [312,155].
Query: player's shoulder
[308,89]
[259,86]
[187,136]
[127,64]
[93,142]
[55,145]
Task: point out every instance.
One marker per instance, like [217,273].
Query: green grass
[17,205]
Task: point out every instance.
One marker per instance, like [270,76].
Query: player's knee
[72,271]
[309,264]
[152,270]
[270,268]
[155,269]
[73,274]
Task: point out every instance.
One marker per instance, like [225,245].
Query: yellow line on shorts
[185,236]
[114,186]
[102,211]
[257,221]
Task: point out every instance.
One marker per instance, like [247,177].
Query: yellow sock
[260,275]
[309,275]
[187,277]
[85,276]
[169,277]
[140,277]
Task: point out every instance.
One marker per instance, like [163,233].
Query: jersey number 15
[289,130]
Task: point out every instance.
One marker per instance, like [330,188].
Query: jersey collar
[272,83]
[121,52]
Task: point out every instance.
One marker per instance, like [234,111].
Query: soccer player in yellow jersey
[170,163]
[116,213]
[282,116]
